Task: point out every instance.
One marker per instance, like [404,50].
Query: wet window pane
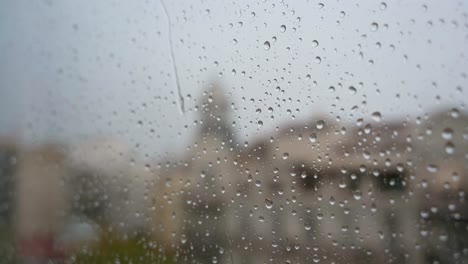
[233,132]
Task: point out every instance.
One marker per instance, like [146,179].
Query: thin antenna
[180,100]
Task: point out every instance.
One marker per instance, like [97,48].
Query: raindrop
[455,113]
[266,45]
[283,28]
[447,134]
[318,60]
[285,155]
[376,116]
[432,168]
[320,124]
[352,90]
[383,6]
[449,148]
[313,137]
[314,43]
[268,203]
[357,195]
[374,27]
[319,216]
[424,214]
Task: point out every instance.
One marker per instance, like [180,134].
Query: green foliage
[114,249]
[7,248]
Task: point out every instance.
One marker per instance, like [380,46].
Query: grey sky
[76,69]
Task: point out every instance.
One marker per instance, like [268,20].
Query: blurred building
[374,191]
[40,203]
[66,195]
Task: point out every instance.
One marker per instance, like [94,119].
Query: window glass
[205,131]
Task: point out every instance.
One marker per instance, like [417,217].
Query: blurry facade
[325,190]
[322,190]
[66,196]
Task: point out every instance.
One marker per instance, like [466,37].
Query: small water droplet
[432,168]
[447,134]
[376,116]
[383,6]
[455,113]
[374,27]
[266,45]
[314,43]
[320,124]
[449,148]
[313,137]
[357,195]
[282,28]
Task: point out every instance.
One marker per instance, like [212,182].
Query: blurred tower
[215,114]
[41,203]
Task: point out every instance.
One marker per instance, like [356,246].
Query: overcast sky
[78,69]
